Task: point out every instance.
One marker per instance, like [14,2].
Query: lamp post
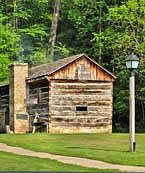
[132,62]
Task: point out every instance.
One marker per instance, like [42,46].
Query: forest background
[107,30]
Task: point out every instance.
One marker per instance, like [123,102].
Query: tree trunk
[15,20]
[53,30]
[143,114]
[5,7]
[100,30]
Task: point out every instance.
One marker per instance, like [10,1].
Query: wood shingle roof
[47,69]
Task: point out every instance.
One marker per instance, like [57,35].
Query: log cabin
[74,94]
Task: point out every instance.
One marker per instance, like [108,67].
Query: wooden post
[34,121]
[7,128]
[47,128]
[132,111]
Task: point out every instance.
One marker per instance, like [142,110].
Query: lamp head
[132,61]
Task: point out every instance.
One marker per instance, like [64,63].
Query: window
[82,72]
[81,108]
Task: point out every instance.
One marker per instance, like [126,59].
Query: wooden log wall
[4,107]
[65,97]
[37,102]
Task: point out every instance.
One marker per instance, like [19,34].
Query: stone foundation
[62,130]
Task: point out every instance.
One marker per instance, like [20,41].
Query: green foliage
[4,63]
[8,48]
[36,30]
[37,58]
[85,18]
[122,34]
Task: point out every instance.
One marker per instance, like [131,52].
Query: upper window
[82,72]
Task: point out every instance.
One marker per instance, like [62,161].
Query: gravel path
[71,160]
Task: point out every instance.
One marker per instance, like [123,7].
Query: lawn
[12,162]
[113,148]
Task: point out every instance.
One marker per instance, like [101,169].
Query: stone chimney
[19,122]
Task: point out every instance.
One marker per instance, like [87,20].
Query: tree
[15,20]
[9,49]
[123,34]
[53,29]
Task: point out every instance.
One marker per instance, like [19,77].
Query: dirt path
[71,160]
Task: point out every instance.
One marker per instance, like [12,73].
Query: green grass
[113,148]
[12,162]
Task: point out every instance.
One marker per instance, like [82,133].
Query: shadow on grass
[100,149]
